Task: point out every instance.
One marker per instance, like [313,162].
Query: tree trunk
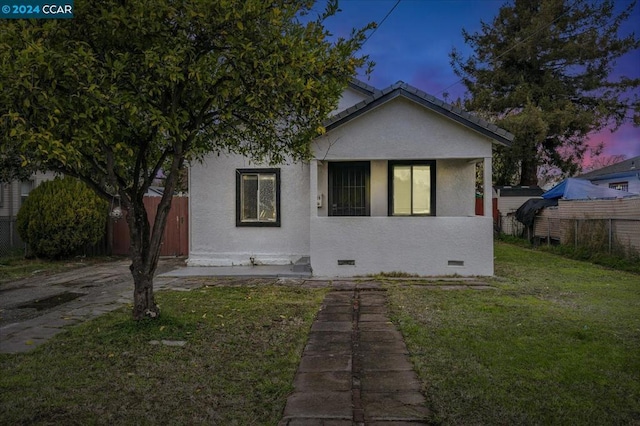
[142,267]
[529,172]
[146,242]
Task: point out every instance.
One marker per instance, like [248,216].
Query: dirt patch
[51,301]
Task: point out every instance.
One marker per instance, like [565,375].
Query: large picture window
[258,197]
[349,188]
[412,188]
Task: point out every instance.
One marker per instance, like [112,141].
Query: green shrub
[61,216]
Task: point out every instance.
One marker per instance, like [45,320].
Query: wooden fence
[175,241]
[605,223]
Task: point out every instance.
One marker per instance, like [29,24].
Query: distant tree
[129,87]
[61,216]
[542,70]
[604,161]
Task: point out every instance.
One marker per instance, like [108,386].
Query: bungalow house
[624,176]
[390,187]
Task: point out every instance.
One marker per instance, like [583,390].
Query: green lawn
[558,342]
[243,348]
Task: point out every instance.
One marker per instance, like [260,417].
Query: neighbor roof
[519,191]
[623,168]
[379,97]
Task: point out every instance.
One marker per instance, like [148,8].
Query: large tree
[542,69]
[129,87]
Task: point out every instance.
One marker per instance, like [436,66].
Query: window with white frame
[412,188]
[25,188]
[258,197]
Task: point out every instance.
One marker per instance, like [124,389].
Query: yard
[556,342]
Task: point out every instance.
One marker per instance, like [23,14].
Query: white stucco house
[390,187]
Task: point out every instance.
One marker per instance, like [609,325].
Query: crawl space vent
[346,262]
[456,263]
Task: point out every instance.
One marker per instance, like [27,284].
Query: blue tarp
[580,189]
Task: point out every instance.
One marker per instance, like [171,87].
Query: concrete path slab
[355,372]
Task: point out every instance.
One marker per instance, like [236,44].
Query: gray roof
[630,165]
[405,90]
[363,87]
[519,191]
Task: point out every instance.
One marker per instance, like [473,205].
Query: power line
[381,22]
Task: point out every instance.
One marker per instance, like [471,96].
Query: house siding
[215,240]
[11,194]
[633,182]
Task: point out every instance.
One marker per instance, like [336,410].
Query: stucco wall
[401,129]
[216,241]
[417,245]
[349,98]
[455,188]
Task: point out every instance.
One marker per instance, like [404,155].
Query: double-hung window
[412,187]
[258,197]
[349,188]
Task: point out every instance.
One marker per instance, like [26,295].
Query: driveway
[33,310]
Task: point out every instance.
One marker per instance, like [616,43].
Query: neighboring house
[390,187]
[12,195]
[624,176]
[510,198]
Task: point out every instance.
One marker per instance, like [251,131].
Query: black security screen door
[349,188]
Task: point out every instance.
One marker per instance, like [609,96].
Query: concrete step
[302,265]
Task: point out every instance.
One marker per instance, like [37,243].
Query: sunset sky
[414,42]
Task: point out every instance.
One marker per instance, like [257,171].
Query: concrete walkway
[355,368]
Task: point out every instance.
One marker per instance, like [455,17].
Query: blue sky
[414,42]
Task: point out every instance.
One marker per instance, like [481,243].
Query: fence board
[175,241]
[621,215]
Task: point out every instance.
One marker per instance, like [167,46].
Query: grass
[17,267]
[557,342]
[243,348]
[621,259]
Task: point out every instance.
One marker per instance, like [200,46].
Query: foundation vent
[350,262]
[456,263]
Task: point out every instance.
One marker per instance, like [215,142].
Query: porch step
[302,265]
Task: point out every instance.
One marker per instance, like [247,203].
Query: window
[621,186]
[258,197]
[412,187]
[25,188]
[349,188]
